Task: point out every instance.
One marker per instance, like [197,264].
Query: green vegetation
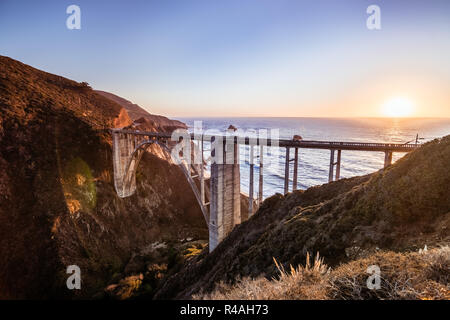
[78,184]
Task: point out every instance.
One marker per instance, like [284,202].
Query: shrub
[303,282]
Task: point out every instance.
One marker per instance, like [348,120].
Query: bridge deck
[307,144]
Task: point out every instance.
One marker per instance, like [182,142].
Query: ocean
[313,163]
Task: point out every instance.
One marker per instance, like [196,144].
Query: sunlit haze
[398,107]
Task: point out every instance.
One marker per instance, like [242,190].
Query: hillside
[420,275]
[402,208]
[58,206]
[142,119]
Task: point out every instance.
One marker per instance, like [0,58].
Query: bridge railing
[286,143]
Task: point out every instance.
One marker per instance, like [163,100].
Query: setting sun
[398,107]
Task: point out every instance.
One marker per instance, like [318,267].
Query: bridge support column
[225,203]
[286,172]
[250,191]
[338,165]
[260,195]
[330,175]
[294,181]
[123,147]
[387,158]
[202,175]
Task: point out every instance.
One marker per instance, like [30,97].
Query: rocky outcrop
[142,119]
[122,120]
[133,110]
[58,206]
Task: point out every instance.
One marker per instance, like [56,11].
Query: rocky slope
[400,208]
[141,118]
[58,206]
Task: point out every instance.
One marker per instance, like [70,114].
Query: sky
[284,58]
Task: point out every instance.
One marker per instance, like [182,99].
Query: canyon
[58,204]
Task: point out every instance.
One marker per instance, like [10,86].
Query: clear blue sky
[242,58]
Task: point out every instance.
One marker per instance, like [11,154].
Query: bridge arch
[128,152]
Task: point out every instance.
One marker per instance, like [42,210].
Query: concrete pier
[387,158]
[124,178]
[338,165]
[295,178]
[331,170]
[251,181]
[261,177]
[225,206]
[286,172]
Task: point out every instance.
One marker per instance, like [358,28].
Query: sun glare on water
[398,108]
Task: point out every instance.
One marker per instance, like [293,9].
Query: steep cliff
[401,208]
[58,206]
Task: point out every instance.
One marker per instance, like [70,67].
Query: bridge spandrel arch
[127,154]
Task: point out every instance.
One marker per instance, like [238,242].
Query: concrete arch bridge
[220,203]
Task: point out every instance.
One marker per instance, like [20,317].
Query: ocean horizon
[313,163]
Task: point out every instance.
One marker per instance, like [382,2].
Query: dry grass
[403,276]
[126,288]
[413,275]
[303,282]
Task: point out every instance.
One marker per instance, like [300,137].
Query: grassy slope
[412,275]
[405,206]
